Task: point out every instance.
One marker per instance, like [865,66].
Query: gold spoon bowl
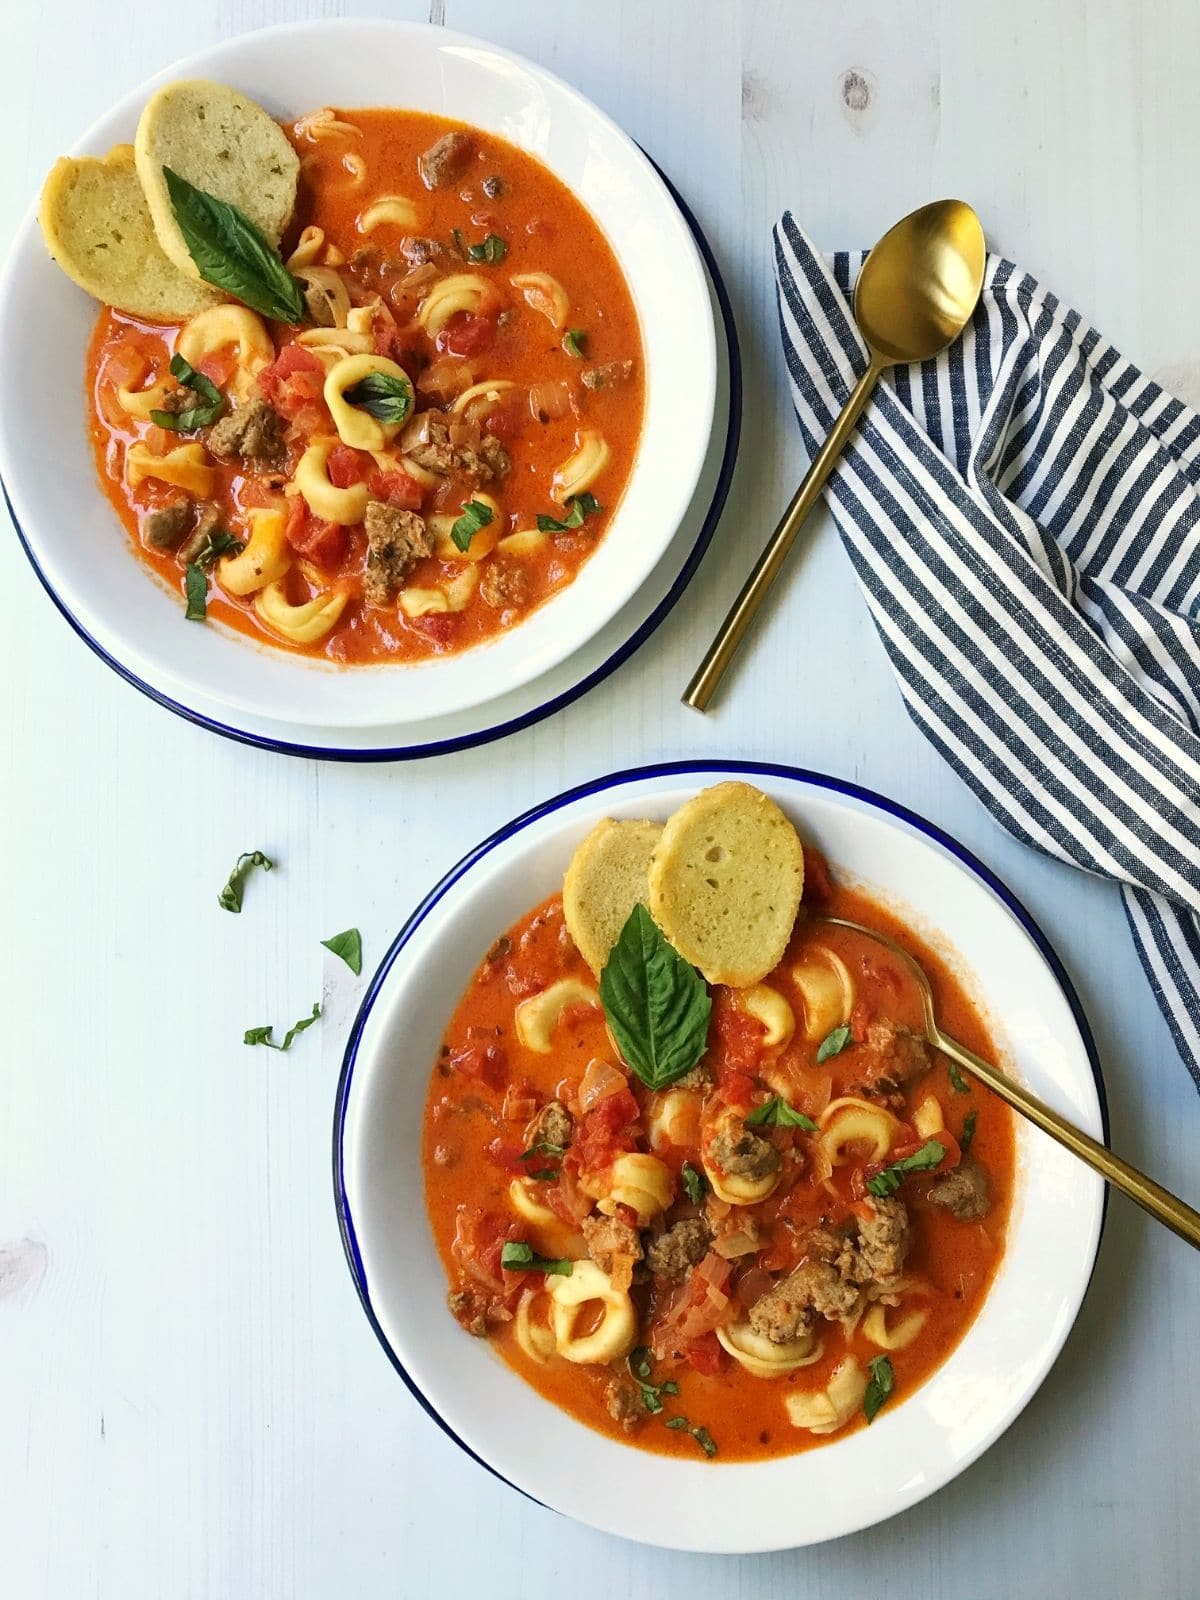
[1162,1205]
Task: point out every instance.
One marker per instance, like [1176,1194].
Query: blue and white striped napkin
[1023,514]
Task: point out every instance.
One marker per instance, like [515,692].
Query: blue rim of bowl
[501,730]
[598,786]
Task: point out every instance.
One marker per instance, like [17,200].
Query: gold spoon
[1162,1205]
[915,294]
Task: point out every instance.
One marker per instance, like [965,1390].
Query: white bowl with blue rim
[81,549]
[921,1440]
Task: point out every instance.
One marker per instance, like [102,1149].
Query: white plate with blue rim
[218,678]
[920,1441]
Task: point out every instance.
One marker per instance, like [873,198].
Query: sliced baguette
[97,226]
[725,883]
[606,879]
[223,143]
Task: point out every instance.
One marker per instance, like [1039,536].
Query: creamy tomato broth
[466,266]
[768,1325]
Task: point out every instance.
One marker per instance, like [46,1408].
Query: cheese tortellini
[265,559]
[768,1006]
[324,499]
[356,426]
[582,467]
[762,1356]
[537,1017]
[301,624]
[220,327]
[827,990]
[832,1407]
[612,1337]
[186,467]
[641,1182]
[854,1131]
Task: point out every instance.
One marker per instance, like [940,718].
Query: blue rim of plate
[598,786]
[501,730]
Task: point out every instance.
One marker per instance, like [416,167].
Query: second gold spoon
[916,292]
[1162,1205]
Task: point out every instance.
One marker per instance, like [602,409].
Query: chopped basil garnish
[701,1435]
[582,505]
[348,946]
[518,1256]
[475,516]
[386,396]
[263,1035]
[491,250]
[694,1182]
[195,588]
[198,416]
[460,244]
[230,897]
[656,1004]
[883,1381]
[922,1160]
[957,1082]
[968,1133]
[833,1043]
[215,545]
[542,1147]
[232,254]
[545,1174]
[641,1365]
[776,1113]
[574,340]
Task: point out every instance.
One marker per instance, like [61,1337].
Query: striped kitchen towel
[1023,514]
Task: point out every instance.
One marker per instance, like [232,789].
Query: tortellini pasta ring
[486,391]
[740,1191]
[832,1407]
[530,1329]
[582,467]
[768,1006]
[301,624]
[483,541]
[392,210]
[357,427]
[265,559]
[765,1359]
[928,1118]
[525,542]
[897,1337]
[220,327]
[641,1182]
[827,990]
[537,1016]
[332,286]
[186,467]
[453,596]
[324,499]
[461,291]
[673,1118]
[854,1130]
[308,247]
[616,1333]
[544,294]
[524,1201]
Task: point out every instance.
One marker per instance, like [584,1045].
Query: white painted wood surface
[191,1403]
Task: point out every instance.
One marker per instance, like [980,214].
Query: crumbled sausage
[252,431]
[698,1078]
[552,1125]
[964,1192]
[679,1248]
[418,251]
[432,449]
[814,1289]
[396,541]
[883,1241]
[609,1237]
[606,374]
[890,1056]
[469,1308]
[625,1402]
[165,527]
[446,160]
[320,305]
[744,1154]
[503,586]
[207,524]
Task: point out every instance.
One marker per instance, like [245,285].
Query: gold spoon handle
[1152,1197]
[720,653]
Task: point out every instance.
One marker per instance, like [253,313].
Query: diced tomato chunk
[346,466]
[736,1088]
[705,1354]
[859,1018]
[606,1130]
[466,334]
[440,626]
[735,1039]
[507,1155]
[291,359]
[397,488]
[479,1239]
[293,384]
[219,366]
[322,542]
[485,1062]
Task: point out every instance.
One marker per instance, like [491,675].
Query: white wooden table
[191,1403]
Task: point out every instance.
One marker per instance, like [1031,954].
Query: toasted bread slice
[97,226]
[606,879]
[725,883]
[223,143]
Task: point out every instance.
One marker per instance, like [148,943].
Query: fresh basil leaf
[651,1399]
[491,250]
[957,1082]
[675,1423]
[706,1441]
[230,897]
[386,396]
[263,1035]
[545,1174]
[231,253]
[193,417]
[670,1387]
[923,1160]
[582,505]
[776,1113]
[574,340]
[833,1043]
[542,1147]
[641,1363]
[883,1381]
[195,588]
[475,516]
[656,1004]
[518,1256]
[348,947]
[694,1182]
[968,1134]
